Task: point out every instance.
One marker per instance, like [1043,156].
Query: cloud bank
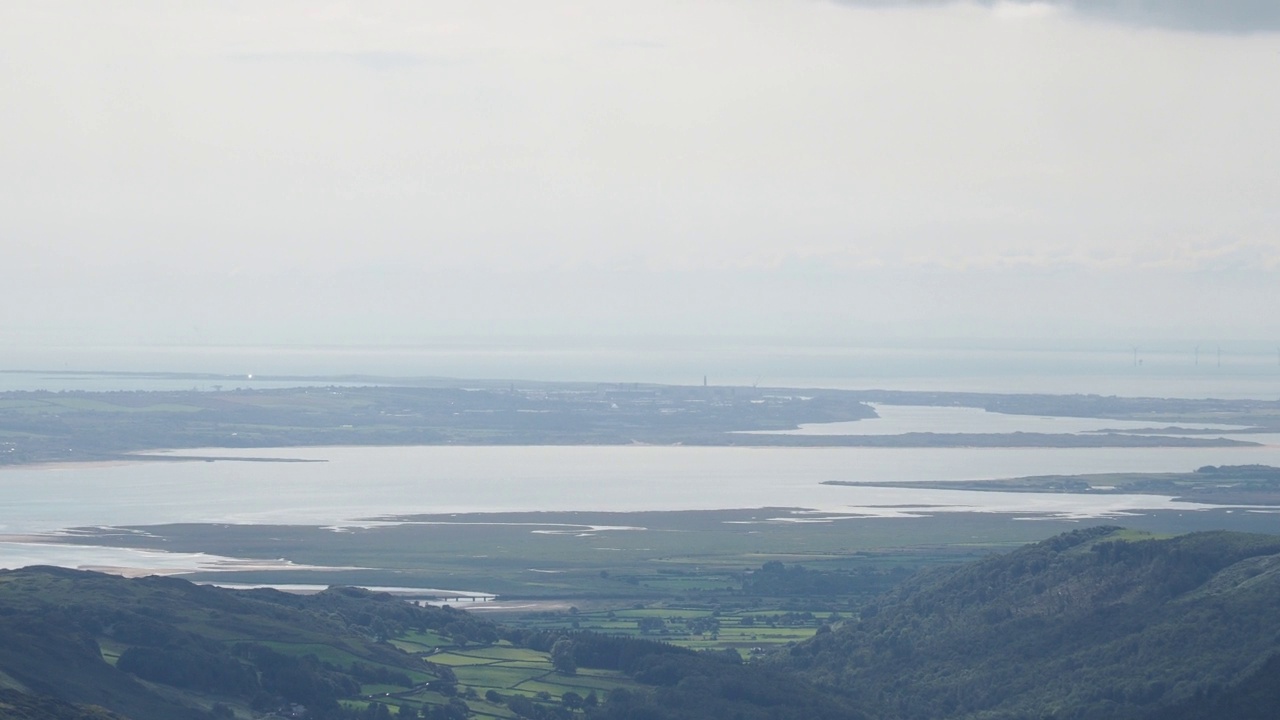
[348,172]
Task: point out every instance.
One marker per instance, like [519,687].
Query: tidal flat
[586,555]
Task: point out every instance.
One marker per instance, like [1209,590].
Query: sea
[1164,369]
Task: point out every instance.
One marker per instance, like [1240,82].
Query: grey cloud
[1212,16]
[1232,16]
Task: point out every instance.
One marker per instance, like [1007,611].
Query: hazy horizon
[1155,369]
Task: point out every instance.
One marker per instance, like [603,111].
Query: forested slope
[1084,625]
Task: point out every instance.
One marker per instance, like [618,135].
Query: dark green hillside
[15,705]
[1257,697]
[51,657]
[1084,625]
[706,686]
[164,648]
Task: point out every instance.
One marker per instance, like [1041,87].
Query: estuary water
[347,486]
[359,485]
[899,419]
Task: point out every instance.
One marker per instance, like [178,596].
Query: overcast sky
[397,172]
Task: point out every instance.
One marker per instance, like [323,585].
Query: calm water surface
[355,485]
[899,419]
[358,483]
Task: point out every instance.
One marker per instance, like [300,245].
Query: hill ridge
[1094,623]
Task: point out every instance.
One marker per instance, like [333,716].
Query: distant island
[42,426]
[1218,485]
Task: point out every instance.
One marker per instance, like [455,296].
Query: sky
[337,173]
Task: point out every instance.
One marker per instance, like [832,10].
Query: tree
[562,657]
[650,624]
[521,706]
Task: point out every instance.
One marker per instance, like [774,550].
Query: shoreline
[902,441]
[144,456]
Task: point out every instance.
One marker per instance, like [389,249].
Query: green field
[506,670]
